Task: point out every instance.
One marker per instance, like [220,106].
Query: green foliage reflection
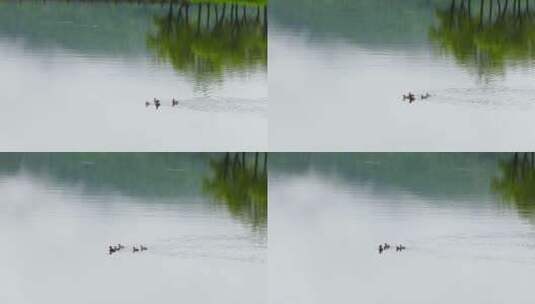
[486,36]
[203,40]
[516,184]
[240,182]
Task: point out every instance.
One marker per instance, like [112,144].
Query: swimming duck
[134,249]
[112,250]
[381,249]
[409,97]
[141,247]
[425,96]
[157,103]
[174,102]
[400,248]
[386,246]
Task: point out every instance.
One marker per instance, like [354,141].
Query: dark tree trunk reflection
[516,184]
[213,42]
[497,35]
[239,184]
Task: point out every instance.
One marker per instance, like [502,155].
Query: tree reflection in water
[240,182]
[206,39]
[486,36]
[516,185]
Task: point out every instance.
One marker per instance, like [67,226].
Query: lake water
[467,221]
[76,76]
[339,69]
[59,213]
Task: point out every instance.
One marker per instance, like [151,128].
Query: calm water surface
[338,71]
[59,213]
[76,77]
[467,222]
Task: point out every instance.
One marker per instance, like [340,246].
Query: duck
[174,102]
[135,249]
[400,248]
[381,249]
[112,250]
[409,97]
[157,103]
[141,247]
[425,96]
[386,246]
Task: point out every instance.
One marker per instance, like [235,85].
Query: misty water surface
[467,221]
[338,70]
[76,76]
[205,230]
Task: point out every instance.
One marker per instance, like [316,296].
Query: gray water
[467,225]
[76,76]
[59,213]
[338,71]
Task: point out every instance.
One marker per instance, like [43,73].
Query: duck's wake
[486,96]
[213,104]
[225,247]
